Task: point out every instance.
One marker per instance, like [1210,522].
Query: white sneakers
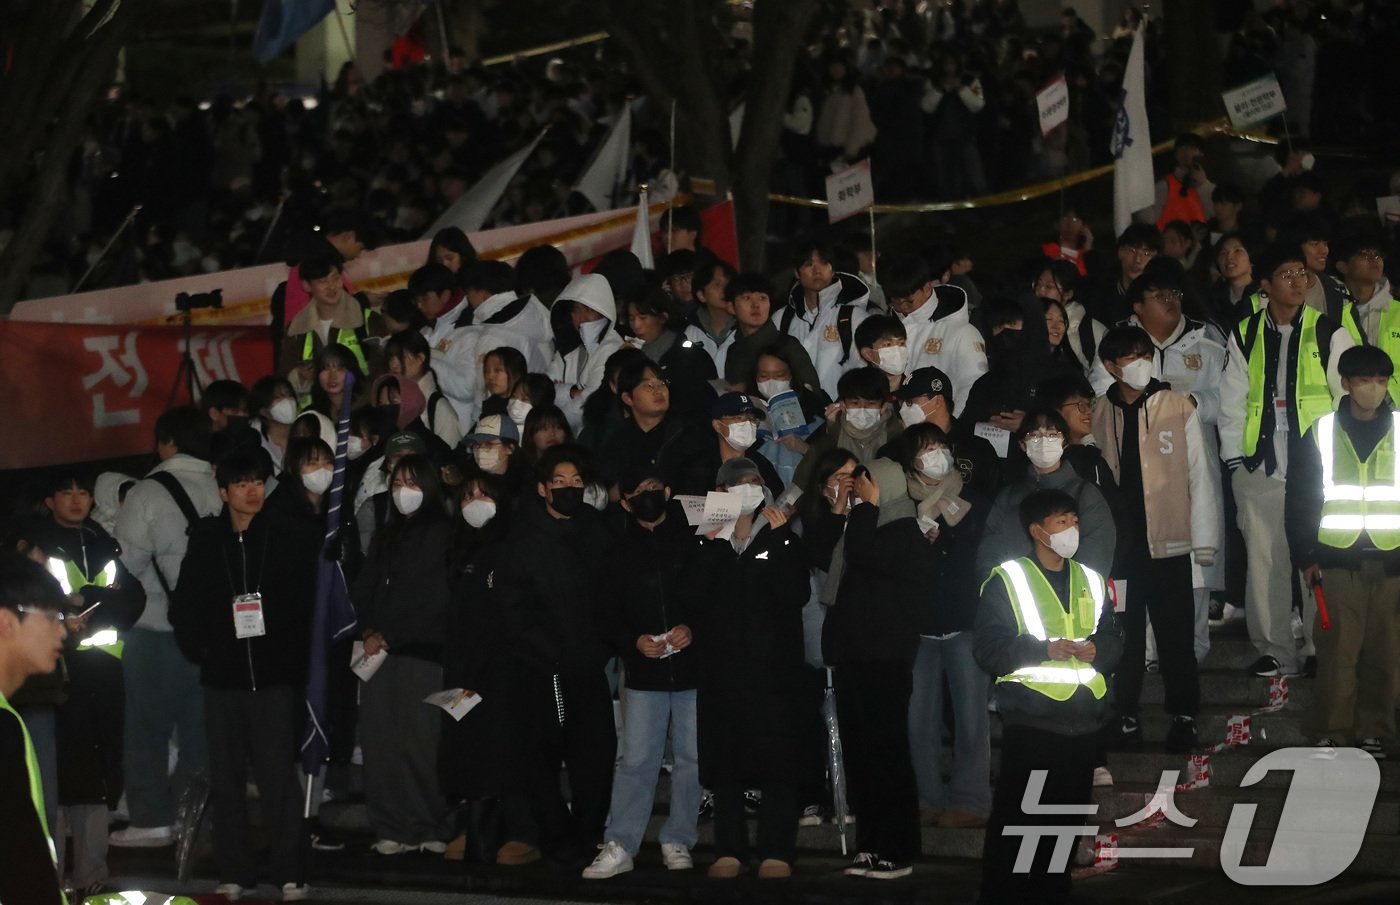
[230,891]
[142,837]
[435,848]
[611,861]
[676,856]
[294,893]
[390,847]
[1102,777]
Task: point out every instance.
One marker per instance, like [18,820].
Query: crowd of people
[932,487]
[941,96]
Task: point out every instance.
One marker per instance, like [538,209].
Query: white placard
[722,510]
[1388,206]
[693,507]
[849,191]
[458,702]
[1260,100]
[1053,101]
[365,666]
[1000,438]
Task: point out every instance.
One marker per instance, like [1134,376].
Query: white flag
[1132,145]
[470,211]
[641,233]
[607,171]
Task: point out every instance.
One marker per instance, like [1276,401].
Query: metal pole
[874,256]
[135,209]
[1287,135]
[442,32]
[267,236]
[671,211]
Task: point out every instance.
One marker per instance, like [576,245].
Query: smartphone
[84,613]
[860,472]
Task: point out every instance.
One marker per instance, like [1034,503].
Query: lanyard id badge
[1281,416]
[248,616]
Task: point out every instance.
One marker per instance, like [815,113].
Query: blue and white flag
[283,22]
[1132,144]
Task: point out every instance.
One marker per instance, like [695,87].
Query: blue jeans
[647,715]
[970,788]
[163,698]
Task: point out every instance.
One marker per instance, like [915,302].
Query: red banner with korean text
[74,393]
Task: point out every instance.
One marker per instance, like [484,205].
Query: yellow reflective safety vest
[137,898]
[72,580]
[1358,496]
[1040,614]
[1313,395]
[36,783]
[344,337]
[1387,339]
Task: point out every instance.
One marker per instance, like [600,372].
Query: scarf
[939,499]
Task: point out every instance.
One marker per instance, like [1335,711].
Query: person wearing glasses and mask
[1169,517]
[1281,376]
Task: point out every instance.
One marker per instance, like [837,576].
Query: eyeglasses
[56,616]
[1162,296]
[1082,408]
[653,386]
[1292,275]
[1045,435]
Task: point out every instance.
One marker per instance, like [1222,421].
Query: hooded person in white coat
[583,343]
[937,321]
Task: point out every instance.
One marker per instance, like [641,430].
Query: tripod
[187,375]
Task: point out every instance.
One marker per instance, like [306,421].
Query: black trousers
[1160,588]
[777,822]
[872,706]
[1069,764]
[257,726]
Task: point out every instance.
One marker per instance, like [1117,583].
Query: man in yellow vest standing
[1371,314]
[1343,518]
[1280,378]
[1046,630]
[31,639]
[333,317]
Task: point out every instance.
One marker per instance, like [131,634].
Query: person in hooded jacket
[242,613]
[88,725]
[822,311]
[646,619]
[555,651]
[401,595]
[936,316]
[583,343]
[747,592]
[684,362]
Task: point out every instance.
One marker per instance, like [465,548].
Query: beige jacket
[1178,495]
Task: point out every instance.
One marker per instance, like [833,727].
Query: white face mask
[1066,542]
[1368,395]
[478,512]
[283,411]
[936,464]
[741,435]
[1138,373]
[1045,451]
[488,458]
[517,409]
[1307,161]
[770,388]
[354,447]
[407,499]
[862,419]
[318,481]
[751,495]
[893,359]
[911,414]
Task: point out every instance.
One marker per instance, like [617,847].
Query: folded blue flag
[283,22]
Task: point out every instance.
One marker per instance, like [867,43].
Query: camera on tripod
[186,302]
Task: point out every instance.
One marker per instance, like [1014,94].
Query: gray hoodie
[1004,538]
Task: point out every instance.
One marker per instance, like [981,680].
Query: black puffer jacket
[402,592]
[643,581]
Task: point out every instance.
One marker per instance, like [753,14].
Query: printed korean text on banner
[1256,102]
[94,392]
[849,191]
[1053,102]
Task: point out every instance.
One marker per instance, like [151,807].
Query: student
[683,362]
[333,317]
[274,400]
[557,650]
[242,613]
[773,377]
[936,317]
[734,419]
[747,593]
[88,725]
[545,426]
[31,638]
[822,311]
[1168,516]
[583,343]
[401,594]
[712,325]
[452,249]
[503,370]
[863,422]
[1060,280]
[749,298]
[495,450]
[927,396]
[883,343]
[650,436]
[646,618]
[1051,694]
[152,532]
[1356,563]
[409,355]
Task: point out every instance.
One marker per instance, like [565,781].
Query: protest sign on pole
[1053,102]
[849,191]
[1255,102]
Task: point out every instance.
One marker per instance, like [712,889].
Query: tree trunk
[95,59]
[1193,60]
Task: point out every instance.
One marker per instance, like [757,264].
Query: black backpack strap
[844,315]
[509,312]
[432,409]
[182,500]
[788,314]
[1086,339]
[1251,330]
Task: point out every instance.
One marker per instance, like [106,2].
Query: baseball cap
[405,442]
[494,427]
[925,382]
[731,404]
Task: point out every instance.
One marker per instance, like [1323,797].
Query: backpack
[182,499]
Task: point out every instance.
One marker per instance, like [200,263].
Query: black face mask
[649,505]
[1007,343]
[236,424]
[567,501]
